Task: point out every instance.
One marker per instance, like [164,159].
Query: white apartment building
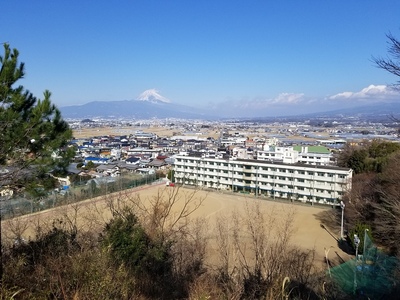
[231,141]
[307,183]
[290,156]
[284,154]
[308,156]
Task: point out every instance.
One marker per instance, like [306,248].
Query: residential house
[109,170]
[132,160]
[96,160]
[157,164]
[145,171]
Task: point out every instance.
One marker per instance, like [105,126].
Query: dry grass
[100,131]
[91,215]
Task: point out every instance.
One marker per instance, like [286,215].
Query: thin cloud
[288,98]
[370,93]
[262,102]
[296,103]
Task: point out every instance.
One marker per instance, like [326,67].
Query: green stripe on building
[314,149]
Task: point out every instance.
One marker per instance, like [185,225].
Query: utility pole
[342,205]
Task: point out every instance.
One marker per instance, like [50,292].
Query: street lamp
[341,227]
[356,243]
[365,245]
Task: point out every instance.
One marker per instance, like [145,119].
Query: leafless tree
[392,62]
[168,218]
[168,212]
[360,198]
[14,230]
[387,206]
[256,254]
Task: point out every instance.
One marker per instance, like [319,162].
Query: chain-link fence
[24,204]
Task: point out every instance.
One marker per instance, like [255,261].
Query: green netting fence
[371,275]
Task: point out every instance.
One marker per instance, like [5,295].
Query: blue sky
[249,57]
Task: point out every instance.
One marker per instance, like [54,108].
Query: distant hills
[152,105]
[149,104]
[135,109]
[377,112]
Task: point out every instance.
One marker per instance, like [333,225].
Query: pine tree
[33,135]
[32,131]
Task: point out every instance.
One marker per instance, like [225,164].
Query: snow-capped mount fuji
[149,104]
[152,95]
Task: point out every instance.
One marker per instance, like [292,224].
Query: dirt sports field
[93,213]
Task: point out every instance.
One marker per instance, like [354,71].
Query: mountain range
[150,104]
[135,109]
